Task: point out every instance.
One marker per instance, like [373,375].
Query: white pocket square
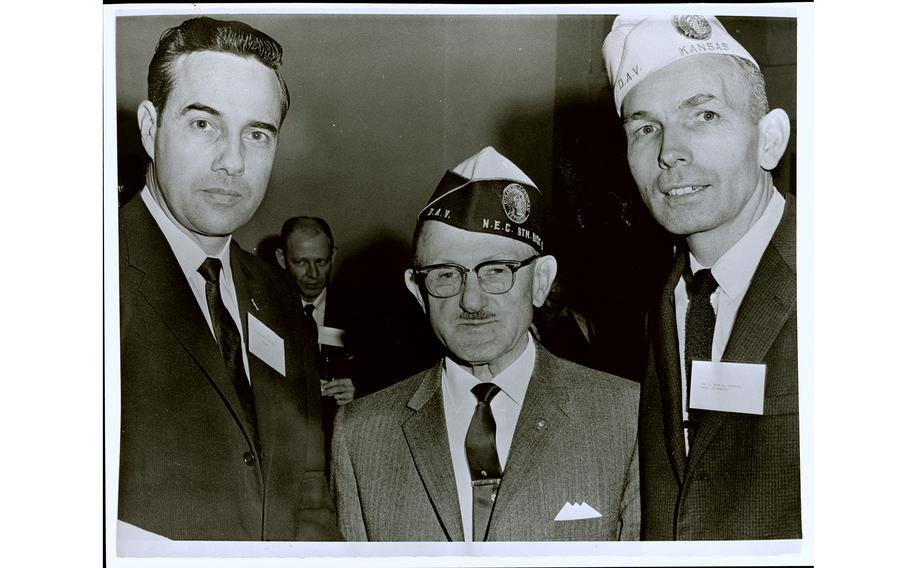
[576,512]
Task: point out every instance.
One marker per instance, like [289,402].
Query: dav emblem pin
[516,203]
[693,27]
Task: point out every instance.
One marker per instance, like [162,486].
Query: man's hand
[341,389]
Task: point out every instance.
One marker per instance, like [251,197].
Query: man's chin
[310,294]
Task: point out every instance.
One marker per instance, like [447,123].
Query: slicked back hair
[209,34]
[311,225]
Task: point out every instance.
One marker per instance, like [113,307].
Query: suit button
[249,458]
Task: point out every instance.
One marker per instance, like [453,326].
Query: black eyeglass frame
[513,265]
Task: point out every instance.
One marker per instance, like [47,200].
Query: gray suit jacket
[741,480]
[575,441]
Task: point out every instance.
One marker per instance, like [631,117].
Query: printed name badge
[728,387]
[265,344]
[331,336]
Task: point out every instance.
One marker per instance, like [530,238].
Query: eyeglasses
[494,276]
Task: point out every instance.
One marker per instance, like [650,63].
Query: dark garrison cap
[488,194]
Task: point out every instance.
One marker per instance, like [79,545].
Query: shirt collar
[513,380]
[189,254]
[734,269]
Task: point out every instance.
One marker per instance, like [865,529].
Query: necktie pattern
[700,320]
[228,338]
[483,459]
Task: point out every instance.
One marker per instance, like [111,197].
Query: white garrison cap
[639,45]
[490,164]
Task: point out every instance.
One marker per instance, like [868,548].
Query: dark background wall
[381,106]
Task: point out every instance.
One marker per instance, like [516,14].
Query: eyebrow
[634,116]
[268,126]
[200,107]
[697,100]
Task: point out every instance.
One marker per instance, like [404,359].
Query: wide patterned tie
[228,340]
[700,321]
[483,460]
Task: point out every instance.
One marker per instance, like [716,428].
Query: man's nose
[473,298]
[230,156]
[674,149]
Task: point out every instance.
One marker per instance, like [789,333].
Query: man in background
[307,251]
[719,421]
[499,440]
[220,427]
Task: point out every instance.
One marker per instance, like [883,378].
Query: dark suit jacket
[742,478]
[188,467]
[575,441]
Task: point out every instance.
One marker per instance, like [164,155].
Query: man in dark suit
[220,426]
[307,252]
[499,440]
[719,421]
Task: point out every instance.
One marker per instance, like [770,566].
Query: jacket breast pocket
[781,404]
[584,529]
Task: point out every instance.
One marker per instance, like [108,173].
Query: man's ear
[544,274]
[148,126]
[410,280]
[279,256]
[773,135]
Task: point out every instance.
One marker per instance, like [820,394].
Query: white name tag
[331,336]
[265,344]
[728,387]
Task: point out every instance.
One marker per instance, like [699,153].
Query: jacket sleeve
[344,485]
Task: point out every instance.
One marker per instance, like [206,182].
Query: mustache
[473,316]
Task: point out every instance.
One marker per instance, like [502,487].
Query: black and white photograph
[458,284]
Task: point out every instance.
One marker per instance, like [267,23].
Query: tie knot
[210,269]
[309,309]
[485,392]
[703,283]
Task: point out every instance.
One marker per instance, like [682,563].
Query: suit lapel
[666,346]
[428,441]
[165,288]
[766,307]
[251,300]
[544,414]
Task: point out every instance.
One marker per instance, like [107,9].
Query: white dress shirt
[733,272]
[459,403]
[190,256]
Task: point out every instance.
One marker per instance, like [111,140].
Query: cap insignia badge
[516,203]
[693,27]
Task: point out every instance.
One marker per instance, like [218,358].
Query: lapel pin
[254,304]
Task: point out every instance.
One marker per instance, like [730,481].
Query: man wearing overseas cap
[500,440]
[719,422]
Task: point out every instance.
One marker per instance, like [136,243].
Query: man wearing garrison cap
[500,440]
[719,422]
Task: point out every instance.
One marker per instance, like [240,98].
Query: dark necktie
[310,322]
[483,460]
[700,321]
[228,340]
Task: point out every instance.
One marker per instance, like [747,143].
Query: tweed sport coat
[575,441]
[742,479]
[188,467]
